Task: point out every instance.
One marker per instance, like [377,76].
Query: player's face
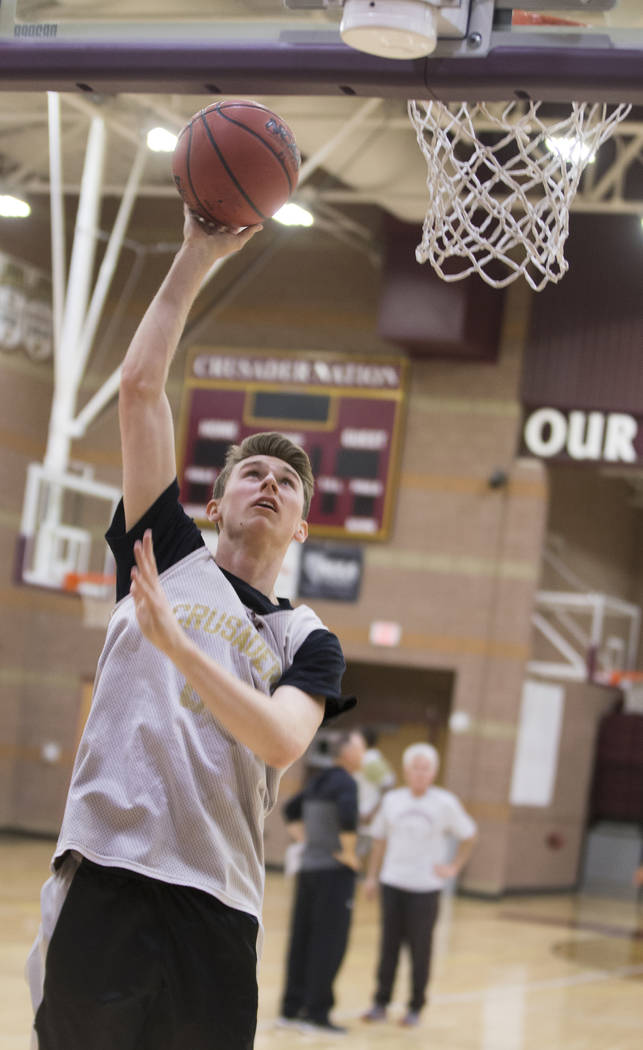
[263,494]
[419,774]
[354,752]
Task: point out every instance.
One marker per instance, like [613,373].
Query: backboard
[61,546]
[486,49]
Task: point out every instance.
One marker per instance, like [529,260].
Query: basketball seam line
[228,170]
[187,167]
[250,131]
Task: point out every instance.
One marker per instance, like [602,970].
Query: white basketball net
[505,199]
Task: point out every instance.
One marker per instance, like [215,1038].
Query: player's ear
[301,532]
[213,511]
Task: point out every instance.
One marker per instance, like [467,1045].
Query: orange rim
[532,18]
[73,580]
[617,677]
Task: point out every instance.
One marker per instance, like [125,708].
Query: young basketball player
[207,687]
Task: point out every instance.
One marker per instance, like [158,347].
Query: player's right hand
[219,240]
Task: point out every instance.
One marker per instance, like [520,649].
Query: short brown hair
[270,443]
[342,740]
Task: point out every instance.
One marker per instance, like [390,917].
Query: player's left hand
[348,857]
[446,871]
[155,617]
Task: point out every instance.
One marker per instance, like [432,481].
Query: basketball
[235,163]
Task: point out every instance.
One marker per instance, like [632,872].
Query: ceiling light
[13,207]
[292,214]
[572,151]
[160,140]
[390,28]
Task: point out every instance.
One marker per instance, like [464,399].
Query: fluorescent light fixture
[13,207]
[570,150]
[160,140]
[292,214]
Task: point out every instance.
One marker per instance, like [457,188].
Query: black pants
[407,918]
[138,964]
[319,928]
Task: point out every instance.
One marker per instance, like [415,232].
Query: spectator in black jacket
[324,816]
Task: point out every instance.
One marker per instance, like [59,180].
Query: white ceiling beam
[625,156]
[66,374]
[91,109]
[57,219]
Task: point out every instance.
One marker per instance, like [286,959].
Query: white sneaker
[376,1013]
[287,1022]
[326,1027]
[410,1019]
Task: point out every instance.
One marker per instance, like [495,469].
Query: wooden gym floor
[547,972]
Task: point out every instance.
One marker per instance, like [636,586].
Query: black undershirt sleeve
[175,535]
[317,669]
[292,809]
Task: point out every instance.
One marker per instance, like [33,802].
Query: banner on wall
[578,436]
[26,319]
[536,756]
[334,573]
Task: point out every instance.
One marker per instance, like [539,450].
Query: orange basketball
[235,163]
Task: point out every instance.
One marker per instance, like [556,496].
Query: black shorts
[138,964]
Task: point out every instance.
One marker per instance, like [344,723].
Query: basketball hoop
[501,183]
[96,590]
[631,685]
[624,679]
[95,584]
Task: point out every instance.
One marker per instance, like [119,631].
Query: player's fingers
[138,568]
[205,225]
[245,235]
[139,589]
[138,595]
[238,235]
[143,585]
[148,550]
[144,555]
[193,224]
[142,568]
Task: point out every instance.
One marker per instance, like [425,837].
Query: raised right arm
[147,429]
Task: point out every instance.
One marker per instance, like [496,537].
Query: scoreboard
[346,412]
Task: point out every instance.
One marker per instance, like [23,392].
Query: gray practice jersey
[159,786]
[327,807]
